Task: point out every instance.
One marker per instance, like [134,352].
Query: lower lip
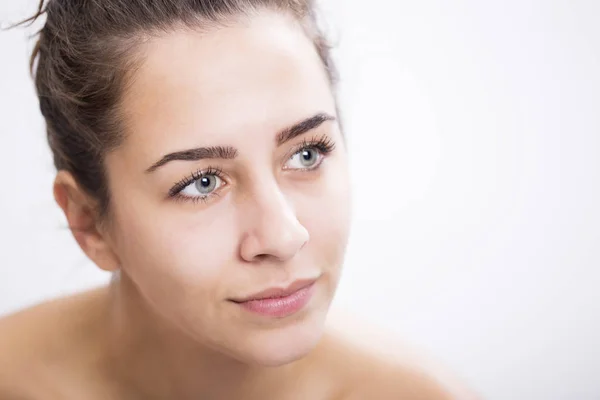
[280,307]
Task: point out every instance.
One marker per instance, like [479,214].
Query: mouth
[279,302]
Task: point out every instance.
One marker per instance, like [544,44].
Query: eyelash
[323,144]
[195,176]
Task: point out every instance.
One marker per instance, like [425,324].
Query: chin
[281,349]
[282,345]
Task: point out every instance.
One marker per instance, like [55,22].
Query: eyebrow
[223,152]
[228,152]
[301,127]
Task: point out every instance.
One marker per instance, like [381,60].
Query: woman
[200,159]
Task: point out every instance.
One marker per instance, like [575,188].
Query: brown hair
[84,62]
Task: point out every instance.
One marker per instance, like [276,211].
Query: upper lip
[277,292]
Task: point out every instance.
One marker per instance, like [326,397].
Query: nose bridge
[273,228]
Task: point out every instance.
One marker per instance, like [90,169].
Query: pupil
[206,184]
[307,155]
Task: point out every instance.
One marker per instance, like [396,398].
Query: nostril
[261,257]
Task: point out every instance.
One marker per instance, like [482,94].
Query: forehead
[251,78]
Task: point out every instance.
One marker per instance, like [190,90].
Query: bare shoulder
[35,343]
[21,345]
[370,364]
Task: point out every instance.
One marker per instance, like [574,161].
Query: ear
[81,213]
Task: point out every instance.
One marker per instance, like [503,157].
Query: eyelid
[324,146]
[323,143]
[178,187]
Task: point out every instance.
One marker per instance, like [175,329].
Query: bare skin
[63,350]
[274,210]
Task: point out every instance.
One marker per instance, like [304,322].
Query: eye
[199,186]
[306,158]
[202,187]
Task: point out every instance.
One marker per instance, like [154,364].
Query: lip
[277,292]
[279,302]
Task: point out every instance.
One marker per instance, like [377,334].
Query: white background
[474,129]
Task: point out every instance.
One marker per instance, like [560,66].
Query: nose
[273,230]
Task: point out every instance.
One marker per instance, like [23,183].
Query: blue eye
[199,186]
[306,158]
[310,153]
[202,187]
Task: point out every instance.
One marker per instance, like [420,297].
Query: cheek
[181,266]
[326,216]
[175,254]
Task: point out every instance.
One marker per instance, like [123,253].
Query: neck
[155,360]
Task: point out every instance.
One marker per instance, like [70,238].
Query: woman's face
[232,180]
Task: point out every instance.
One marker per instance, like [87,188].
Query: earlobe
[80,212]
